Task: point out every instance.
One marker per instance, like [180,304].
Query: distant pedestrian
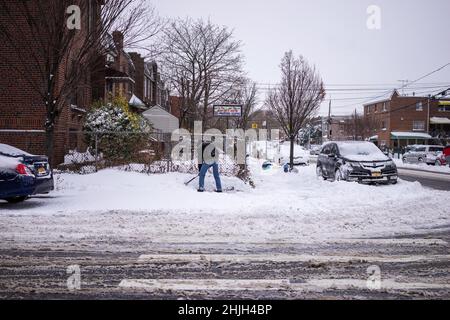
[207,159]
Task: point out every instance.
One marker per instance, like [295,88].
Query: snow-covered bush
[116,131]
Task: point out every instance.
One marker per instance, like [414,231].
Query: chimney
[118,40]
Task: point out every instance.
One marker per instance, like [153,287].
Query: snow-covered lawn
[113,206]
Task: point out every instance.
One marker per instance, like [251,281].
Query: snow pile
[113,206]
[75,157]
[422,167]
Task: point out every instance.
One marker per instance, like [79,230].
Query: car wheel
[319,172]
[16,199]
[437,163]
[404,160]
[420,160]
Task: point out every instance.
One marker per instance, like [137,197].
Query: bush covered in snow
[116,131]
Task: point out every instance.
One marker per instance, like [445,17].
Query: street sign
[228,110]
[254,126]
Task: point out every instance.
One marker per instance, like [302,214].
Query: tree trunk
[291,158]
[49,145]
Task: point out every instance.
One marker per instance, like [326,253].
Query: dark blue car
[23,174]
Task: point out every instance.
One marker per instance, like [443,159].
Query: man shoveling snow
[208,159]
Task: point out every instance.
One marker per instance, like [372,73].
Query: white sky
[333,35]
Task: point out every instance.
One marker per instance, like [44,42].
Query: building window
[383,125]
[444,108]
[384,107]
[419,106]
[419,125]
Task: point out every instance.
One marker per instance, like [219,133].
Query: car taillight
[23,170]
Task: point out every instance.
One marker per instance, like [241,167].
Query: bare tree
[54,51]
[203,64]
[248,97]
[298,97]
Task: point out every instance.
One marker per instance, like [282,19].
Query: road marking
[395,241]
[267,285]
[398,241]
[249,258]
[204,284]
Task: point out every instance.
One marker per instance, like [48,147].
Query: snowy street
[291,226]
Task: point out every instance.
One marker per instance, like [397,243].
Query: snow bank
[422,167]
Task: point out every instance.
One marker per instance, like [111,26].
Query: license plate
[376,174]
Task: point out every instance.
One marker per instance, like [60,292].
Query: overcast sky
[333,35]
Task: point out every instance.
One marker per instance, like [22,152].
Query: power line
[406,85]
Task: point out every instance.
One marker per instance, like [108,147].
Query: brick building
[115,72]
[149,87]
[338,128]
[23,112]
[405,120]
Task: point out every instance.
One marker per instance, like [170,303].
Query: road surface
[434,180]
[416,267]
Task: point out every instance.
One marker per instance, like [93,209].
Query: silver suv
[424,154]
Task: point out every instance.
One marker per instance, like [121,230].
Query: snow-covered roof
[411,135]
[161,119]
[374,137]
[136,102]
[439,120]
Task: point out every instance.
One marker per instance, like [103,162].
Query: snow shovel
[187,183]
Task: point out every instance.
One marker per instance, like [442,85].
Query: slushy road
[434,180]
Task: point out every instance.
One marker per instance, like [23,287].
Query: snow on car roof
[12,151]
[361,151]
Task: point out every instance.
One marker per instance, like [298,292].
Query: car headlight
[390,163]
[354,164]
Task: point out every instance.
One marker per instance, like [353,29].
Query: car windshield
[12,151]
[364,151]
[436,149]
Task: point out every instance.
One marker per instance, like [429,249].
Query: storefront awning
[439,120]
[410,136]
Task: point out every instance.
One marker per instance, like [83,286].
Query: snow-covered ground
[113,206]
[422,166]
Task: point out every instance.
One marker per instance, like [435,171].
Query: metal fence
[83,152]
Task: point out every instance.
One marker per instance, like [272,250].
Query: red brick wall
[22,107]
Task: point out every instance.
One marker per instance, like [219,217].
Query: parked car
[23,174]
[314,149]
[446,154]
[301,155]
[430,155]
[359,161]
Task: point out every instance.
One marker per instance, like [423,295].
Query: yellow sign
[444,103]
[254,126]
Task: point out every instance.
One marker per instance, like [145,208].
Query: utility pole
[330,132]
[354,128]
[428,114]
[404,83]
